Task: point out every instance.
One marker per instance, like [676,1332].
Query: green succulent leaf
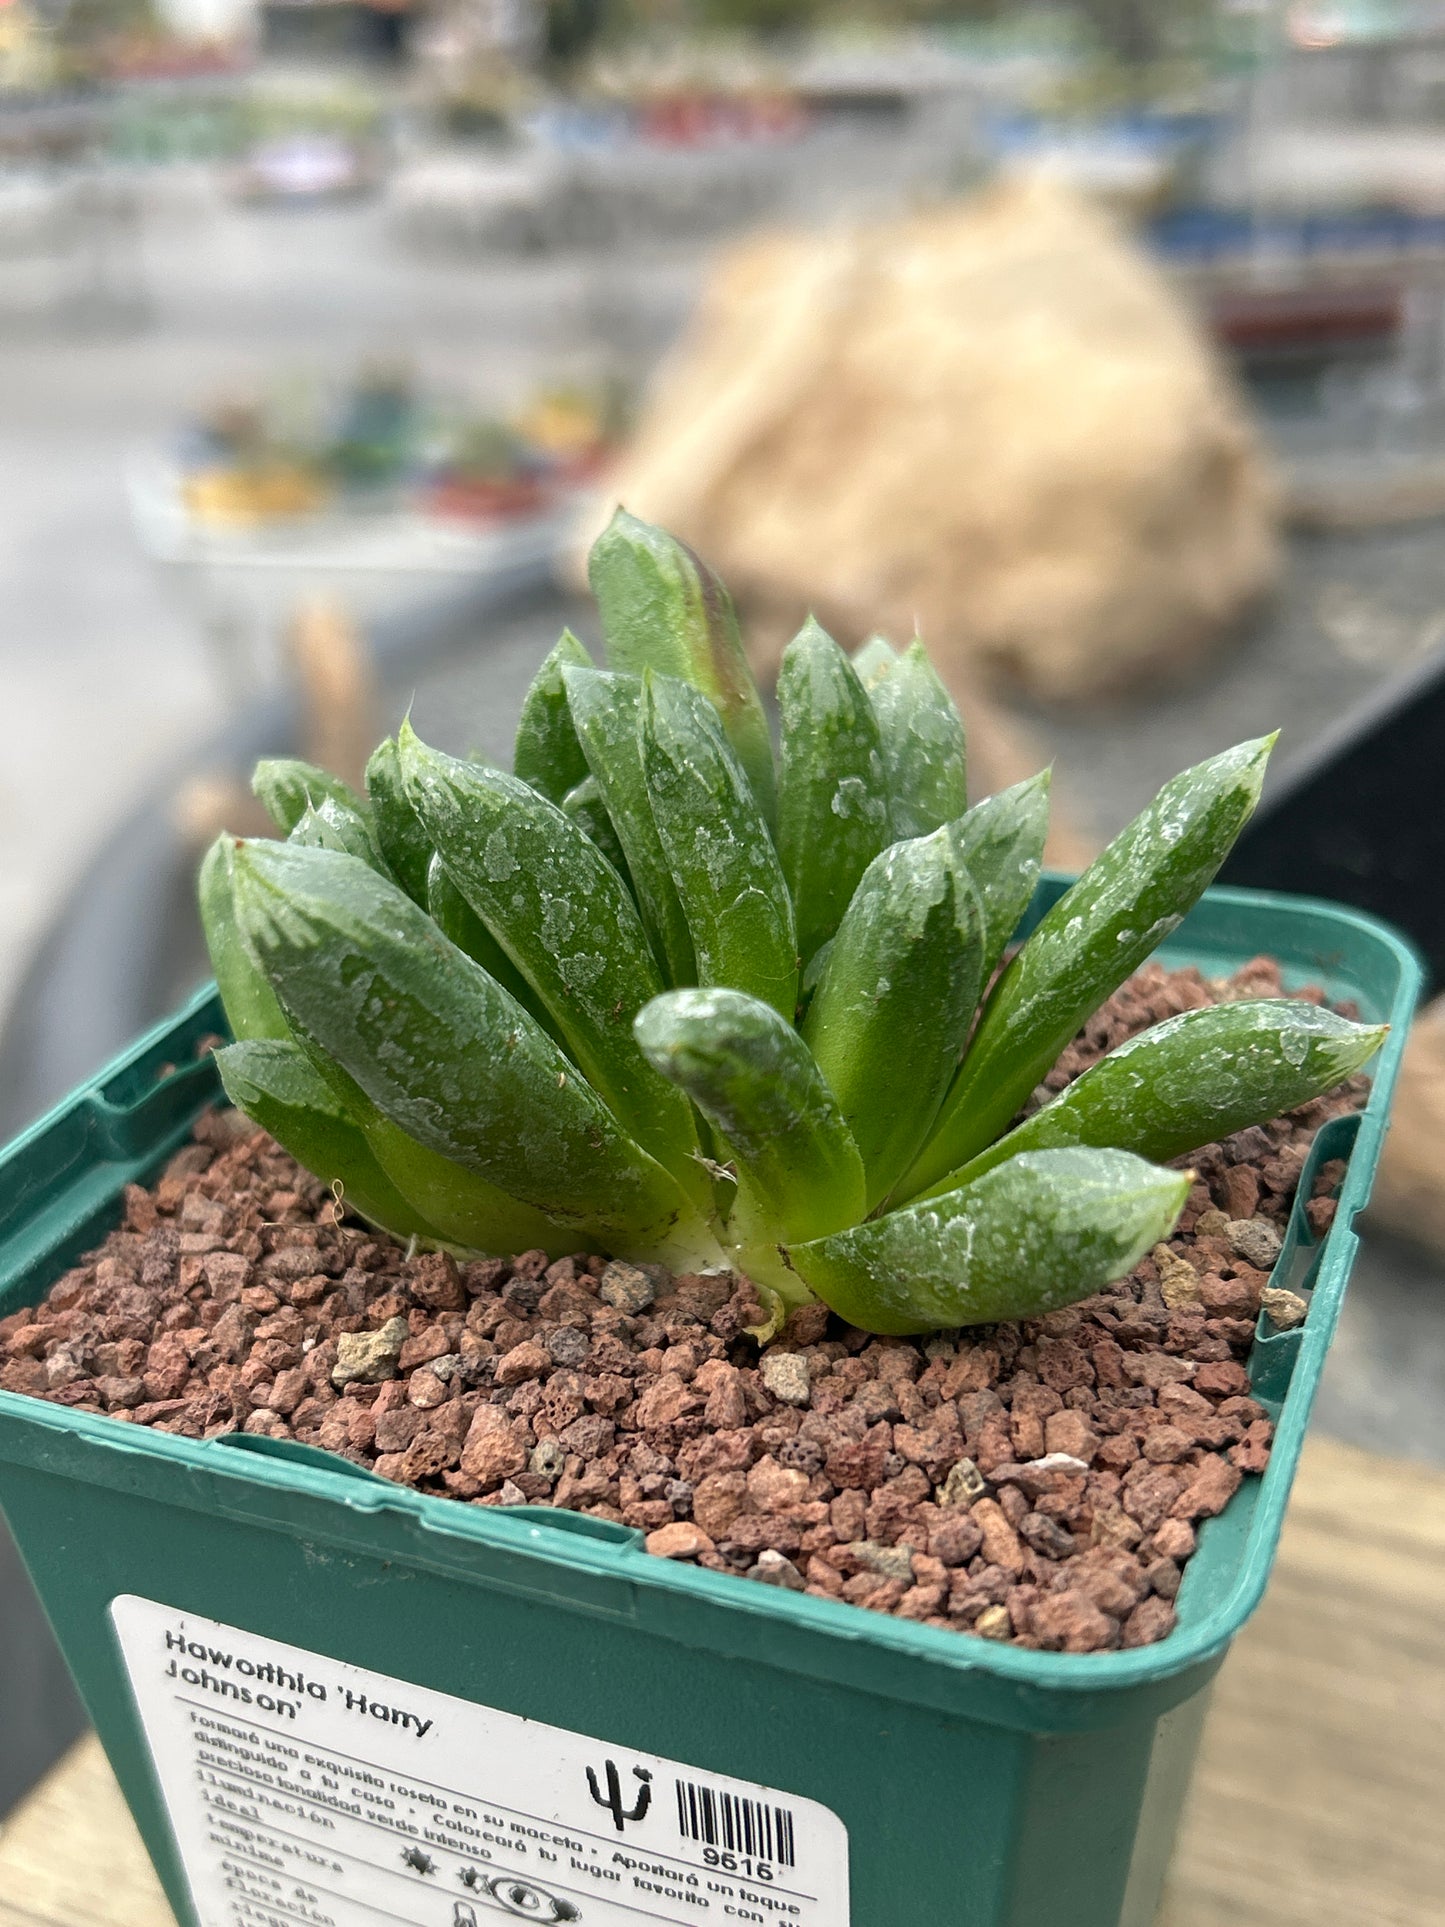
[1000,842]
[459,922]
[755,1081]
[404,843]
[1125,904]
[464,1209]
[445,1203]
[437,1045]
[563,915]
[663,609]
[888,1022]
[547,753]
[607,710]
[1043,1230]
[718,847]
[922,741]
[334,825]
[277,1086]
[1193,1079]
[587,810]
[286,786]
[813,973]
[247,999]
[873,661]
[832,795]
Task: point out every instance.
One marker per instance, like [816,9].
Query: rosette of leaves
[663,993]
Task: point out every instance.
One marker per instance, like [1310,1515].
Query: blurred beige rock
[993,419]
[1409,1194]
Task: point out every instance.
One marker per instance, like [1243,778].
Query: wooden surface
[1318,1797]
[1319,1791]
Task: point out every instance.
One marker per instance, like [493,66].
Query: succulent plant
[660,994]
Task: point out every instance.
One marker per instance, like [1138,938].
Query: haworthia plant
[659,994]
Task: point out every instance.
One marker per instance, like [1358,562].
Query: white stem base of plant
[693,1245]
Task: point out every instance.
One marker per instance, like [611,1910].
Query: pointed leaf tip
[923,745]
[1191,1080]
[546,752]
[663,608]
[754,1079]
[1121,909]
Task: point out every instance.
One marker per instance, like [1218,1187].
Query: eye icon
[520,1897]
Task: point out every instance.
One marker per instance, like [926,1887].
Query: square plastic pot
[980,1785]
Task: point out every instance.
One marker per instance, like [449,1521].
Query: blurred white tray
[244,583]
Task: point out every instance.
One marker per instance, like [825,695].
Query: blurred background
[1105,341]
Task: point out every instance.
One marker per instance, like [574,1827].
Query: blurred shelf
[1317,1793]
[347,543]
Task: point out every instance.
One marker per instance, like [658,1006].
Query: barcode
[736,1824]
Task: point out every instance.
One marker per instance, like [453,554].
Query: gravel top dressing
[1039,1482]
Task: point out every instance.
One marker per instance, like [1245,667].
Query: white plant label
[304,1792]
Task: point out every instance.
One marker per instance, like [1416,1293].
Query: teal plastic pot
[810,1762]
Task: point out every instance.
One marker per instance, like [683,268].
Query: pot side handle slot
[552,1518]
[143,1107]
[602,1532]
[1273,1359]
[294,1452]
[127,1128]
[61,1179]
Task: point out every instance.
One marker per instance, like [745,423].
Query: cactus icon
[612,1801]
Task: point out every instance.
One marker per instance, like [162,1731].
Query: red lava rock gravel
[1039,1482]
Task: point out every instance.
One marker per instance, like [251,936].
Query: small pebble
[547,1459]
[1255,1240]
[680,1540]
[892,1562]
[524,1361]
[994,1623]
[964,1484]
[1178,1280]
[1057,1462]
[567,1345]
[626,1288]
[367,1358]
[774,1570]
[425,1390]
[1284,1309]
[787,1377]
[511,1494]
